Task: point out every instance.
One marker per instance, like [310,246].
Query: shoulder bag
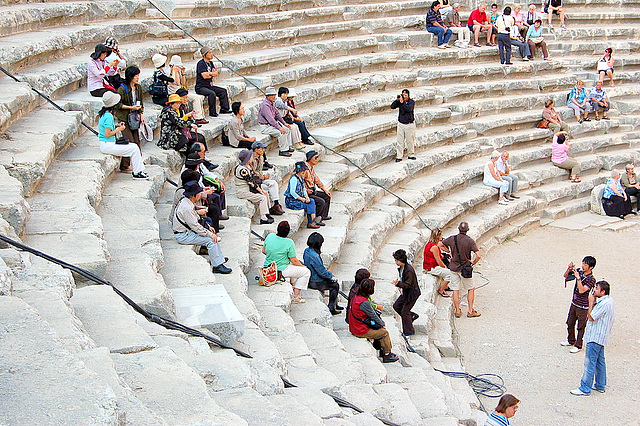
[466,269]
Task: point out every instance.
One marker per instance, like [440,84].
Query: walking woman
[408,285]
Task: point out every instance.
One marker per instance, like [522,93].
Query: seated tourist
[555,8]
[556,124]
[238,137]
[504,170]
[321,279]
[187,228]
[159,90]
[579,102]
[179,86]
[407,282]
[296,197]
[284,110]
[107,130]
[559,157]
[249,188]
[531,17]
[208,177]
[114,80]
[365,322]
[205,73]
[518,40]
[272,124]
[172,127]
[605,66]
[493,18]
[452,20]
[268,184]
[98,70]
[433,263]
[599,101]
[188,115]
[631,184]
[478,22]
[361,274]
[492,178]
[615,200]
[315,188]
[280,249]
[214,196]
[536,40]
[297,120]
[518,18]
[435,25]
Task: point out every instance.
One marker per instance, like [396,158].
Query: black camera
[571,276]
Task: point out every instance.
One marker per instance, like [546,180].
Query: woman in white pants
[492,178]
[107,135]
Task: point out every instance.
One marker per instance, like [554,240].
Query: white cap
[158,60]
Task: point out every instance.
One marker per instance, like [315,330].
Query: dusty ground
[524,309]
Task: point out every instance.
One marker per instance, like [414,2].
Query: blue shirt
[578,94]
[532,33]
[599,329]
[106,122]
[295,188]
[608,192]
[313,261]
[497,420]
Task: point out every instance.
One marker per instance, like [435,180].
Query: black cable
[47,99]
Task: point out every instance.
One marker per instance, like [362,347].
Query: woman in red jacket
[365,322]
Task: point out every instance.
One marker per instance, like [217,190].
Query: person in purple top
[272,124]
[579,302]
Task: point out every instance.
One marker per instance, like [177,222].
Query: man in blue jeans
[435,25]
[600,321]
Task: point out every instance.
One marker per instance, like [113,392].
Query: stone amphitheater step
[29,342]
[17,100]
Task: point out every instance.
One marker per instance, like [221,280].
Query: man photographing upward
[579,302]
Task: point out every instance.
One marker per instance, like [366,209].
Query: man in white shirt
[599,323]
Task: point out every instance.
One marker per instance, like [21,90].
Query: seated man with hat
[205,72]
[315,188]
[271,186]
[296,197]
[187,228]
[213,187]
[248,186]
[272,124]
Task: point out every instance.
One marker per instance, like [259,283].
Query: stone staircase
[347,61]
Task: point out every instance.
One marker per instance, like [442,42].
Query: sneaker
[578,392]
[268,221]
[390,357]
[508,63]
[442,46]
[307,142]
[514,196]
[412,158]
[221,269]
[398,160]
[565,343]
[267,166]
[563,26]
[526,59]
[214,115]
[140,175]
[575,350]
[605,118]
[597,390]
[225,111]
[447,45]
[284,153]
[503,203]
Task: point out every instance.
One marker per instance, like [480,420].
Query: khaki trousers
[382,335]
[406,138]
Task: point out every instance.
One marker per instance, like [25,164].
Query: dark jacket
[127,99]
[313,261]
[409,283]
[405,113]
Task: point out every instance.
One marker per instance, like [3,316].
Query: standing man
[461,247]
[272,124]
[406,125]
[478,22]
[205,72]
[452,20]
[436,26]
[315,188]
[579,302]
[600,321]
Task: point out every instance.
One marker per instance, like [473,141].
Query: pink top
[559,151]
[519,17]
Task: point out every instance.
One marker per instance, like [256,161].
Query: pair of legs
[191,238]
[606,73]
[299,277]
[443,36]
[523,48]
[477,29]
[406,136]
[576,316]
[323,203]
[271,186]
[636,193]
[211,93]
[573,166]
[542,45]
[130,151]
[457,281]
[445,276]
[303,132]
[596,107]
[133,136]
[284,139]
[580,111]
[309,208]
[333,288]
[558,11]
[262,201]
[513,183]
[502,185]
[594,368]
[97,93]
[296,137]
[504,48]
[617,206]
[403,306]
[463,36]
[381,336]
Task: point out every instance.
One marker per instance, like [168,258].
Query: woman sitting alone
[615,200]
[559,157]
[605,66]
[296,197]
[172,127]
[492,178]
[365,322]
[107,135]
[321,279]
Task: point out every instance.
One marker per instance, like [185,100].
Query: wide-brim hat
[158,60]
[257,144]
[174,97]
[111,43]
[292,92]
[110,99]
[175,60]
[193,159]
[192,188]
[244,156]
[270,91]
[99,50]
[311,154]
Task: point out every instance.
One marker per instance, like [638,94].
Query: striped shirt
[497,420]
[599,329]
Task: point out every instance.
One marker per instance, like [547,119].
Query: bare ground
[524,309]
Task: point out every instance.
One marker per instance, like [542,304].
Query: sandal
[298,300]
[473,314]
[458,314]
[443,294]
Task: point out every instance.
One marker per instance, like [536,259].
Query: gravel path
[524,309]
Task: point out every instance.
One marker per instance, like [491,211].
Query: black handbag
[466,269]
[122,141]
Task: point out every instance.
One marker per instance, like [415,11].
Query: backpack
[158,88]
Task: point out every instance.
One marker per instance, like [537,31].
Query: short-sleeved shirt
[106,122]
[476,15]
[466,246]
[599,95]
[581,300]
[279,250]
[559,151]
[203,66]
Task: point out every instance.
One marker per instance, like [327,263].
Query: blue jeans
[215,253]
[443,36]
[594,366]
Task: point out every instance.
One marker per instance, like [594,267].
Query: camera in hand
[571,276]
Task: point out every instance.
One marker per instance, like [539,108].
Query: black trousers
[211,94]
[327,285]
[323,202]
[636,193]
[616,206]
[216,203]
[403,306]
